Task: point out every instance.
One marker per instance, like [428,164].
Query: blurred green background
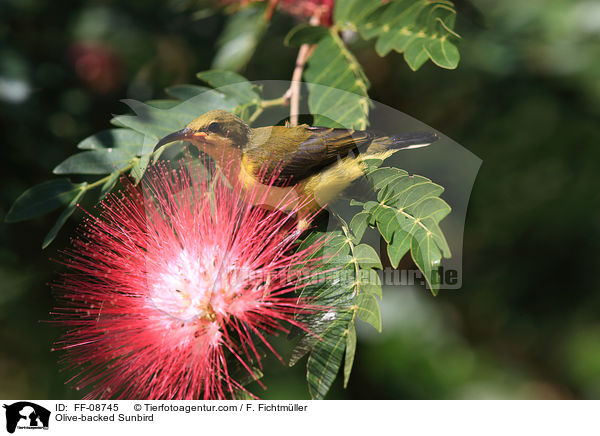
[525,99]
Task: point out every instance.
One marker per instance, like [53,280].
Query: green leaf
[185,92]
[131,145]
[114,138]
[102,161]
[398,246]
[367,257]
[150,121]
[407,214]
[41,199]
[312,238]
[335,297]
[162,104]
[239,39]
[368,282]
[241,394]
[408,191]
[350,352]
[415,56]
[442,52]
[326,358]
[387,222]
[427,256]
[421,29]
[358,225]
[336,292]
[398,26]
[155,123]
[385,176]
[64,216]
[244,377]
[353,275]
[367,309]
[369,25]
[337,86]
[336,245]
[139,168]
[372,163]
[305,34]
[353,11]
[232,85]
[109,184]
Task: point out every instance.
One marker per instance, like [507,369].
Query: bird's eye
[214,127]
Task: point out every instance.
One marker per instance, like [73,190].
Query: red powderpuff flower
[174,285]
[319,10]
[322,10]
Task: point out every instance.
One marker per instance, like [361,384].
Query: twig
[303,54]
[292,95]
[294,91]
[281,101]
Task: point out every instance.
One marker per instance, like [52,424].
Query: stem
[347,233]
[127,168]
[255,115]
[292,95]
[281,101]
[303,55]
[104,179]
[270,9]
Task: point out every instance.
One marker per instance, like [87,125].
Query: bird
[301,168]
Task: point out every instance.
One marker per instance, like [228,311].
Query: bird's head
[215,129]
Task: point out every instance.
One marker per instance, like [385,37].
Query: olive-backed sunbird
[313,164]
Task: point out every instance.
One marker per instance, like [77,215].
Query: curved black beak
[179,135]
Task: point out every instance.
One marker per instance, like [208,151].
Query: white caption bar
[283,418]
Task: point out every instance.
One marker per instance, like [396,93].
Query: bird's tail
[402,142]
[412,140]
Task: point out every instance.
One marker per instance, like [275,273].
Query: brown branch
[294,91]
[292,95]
[303,54]
[270,9]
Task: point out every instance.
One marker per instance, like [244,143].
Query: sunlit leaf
[337,86]
[353,11]
[420,29]
[407,214]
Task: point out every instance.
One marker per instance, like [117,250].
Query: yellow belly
[313,193]
[287,198]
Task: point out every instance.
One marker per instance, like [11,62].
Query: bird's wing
[293,154]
